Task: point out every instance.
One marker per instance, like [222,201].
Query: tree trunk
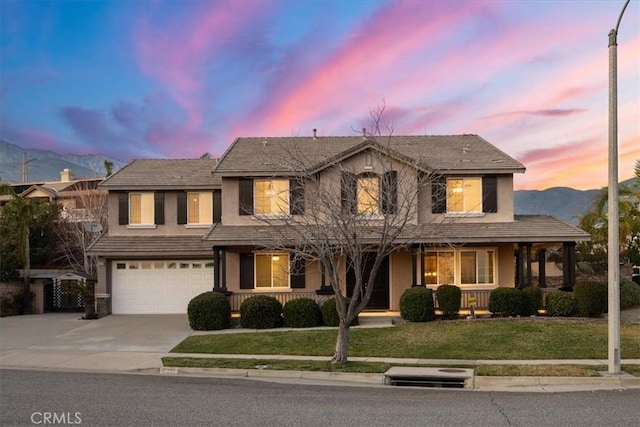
[342,343]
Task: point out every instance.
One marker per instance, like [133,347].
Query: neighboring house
[181,227]
[69,193]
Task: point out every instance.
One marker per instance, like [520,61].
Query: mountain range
[566,204]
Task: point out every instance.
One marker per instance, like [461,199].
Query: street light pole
[613,249]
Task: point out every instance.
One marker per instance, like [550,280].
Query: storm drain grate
[429,377]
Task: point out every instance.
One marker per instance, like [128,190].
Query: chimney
[314,133]
[66,175]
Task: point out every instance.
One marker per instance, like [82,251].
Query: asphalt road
[31,398]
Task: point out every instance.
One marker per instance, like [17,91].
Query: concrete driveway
[113,343]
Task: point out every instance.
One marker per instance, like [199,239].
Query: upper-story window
[271,197]
[464,195]
[368,194]
[199,208]
[141,209]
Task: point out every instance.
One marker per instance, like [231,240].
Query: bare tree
[80,225]
[348,221]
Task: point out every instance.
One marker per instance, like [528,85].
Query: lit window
[476,267]
[199,208]
[464,195]
[271,197]
[141,208]
[439,268]
[368,192]
[272,270]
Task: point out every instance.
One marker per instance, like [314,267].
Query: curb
[479,383]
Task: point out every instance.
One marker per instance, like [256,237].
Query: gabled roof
[57,189]
[464,154]
[169,174]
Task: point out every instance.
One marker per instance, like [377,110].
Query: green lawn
[482,339]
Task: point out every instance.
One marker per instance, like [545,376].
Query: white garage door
[153,287]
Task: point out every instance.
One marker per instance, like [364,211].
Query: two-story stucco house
[181,227]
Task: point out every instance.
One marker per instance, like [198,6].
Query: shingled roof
[164,174]
[524,229]
[151,246]
[441,153]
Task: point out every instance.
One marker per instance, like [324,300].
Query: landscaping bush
[330,313]
[449,297]
[591,298]
[209,311]
[505,301]
[416,305]
[560,303]
[531,300]
[629,294]
[301,313]
[260,312]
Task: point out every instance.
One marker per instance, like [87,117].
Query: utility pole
[613,249]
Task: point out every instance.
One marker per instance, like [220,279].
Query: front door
[380,296]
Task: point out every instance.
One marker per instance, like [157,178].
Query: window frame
[271,255]
[209,220]
[150,199]
[375,201]
[477,208]
[283,207]
[493,267]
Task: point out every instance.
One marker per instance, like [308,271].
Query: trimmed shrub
[301,313]
[260,312]
[591,298]
[449,300]
[629,294]
[416,305]
[531,300]
[505,301]
[330,313]
[560,303]
[209,311]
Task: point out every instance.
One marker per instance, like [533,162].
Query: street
[72,398]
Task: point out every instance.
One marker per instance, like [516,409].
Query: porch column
[216,266]
[422,281]
[219,269]
[542,267]
[523,265]
[324,289]
[414,266]
[568,265]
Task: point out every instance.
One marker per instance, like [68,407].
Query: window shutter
[182,208]
[296,197]
[158,208]
[390,192]
[246,271]
[123,208]
[348,192]
[298,270]
[245,197]
[217,206]
[439,195]
[490,194]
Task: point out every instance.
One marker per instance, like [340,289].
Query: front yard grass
[495,339]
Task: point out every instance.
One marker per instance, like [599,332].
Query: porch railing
[481,296]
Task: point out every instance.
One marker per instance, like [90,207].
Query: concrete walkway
[136,344]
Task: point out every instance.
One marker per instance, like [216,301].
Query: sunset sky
[169,78]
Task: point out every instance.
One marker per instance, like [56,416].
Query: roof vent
[314,133]
[465,149]
[364,133]
[265,143]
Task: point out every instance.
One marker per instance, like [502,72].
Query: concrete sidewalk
[136,344]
